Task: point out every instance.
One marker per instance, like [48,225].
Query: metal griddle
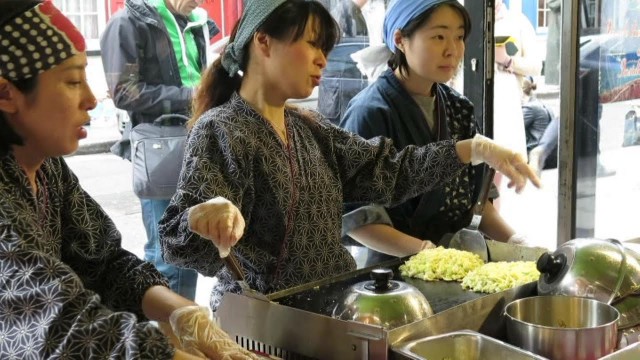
[321,298]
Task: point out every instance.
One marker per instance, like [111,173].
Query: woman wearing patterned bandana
[410,104]
[283,171]
[67,287]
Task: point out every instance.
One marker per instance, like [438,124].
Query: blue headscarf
[401,12]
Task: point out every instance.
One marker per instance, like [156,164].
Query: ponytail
[216,87]
[287,23]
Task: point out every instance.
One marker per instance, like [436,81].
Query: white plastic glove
[219,221]
[508,162]
[519,239]
[200,336]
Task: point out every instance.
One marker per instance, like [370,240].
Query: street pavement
[532,213]
[107,178]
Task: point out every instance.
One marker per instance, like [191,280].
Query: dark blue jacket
[386,109]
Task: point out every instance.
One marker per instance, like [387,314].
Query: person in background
[552,56]
[541,126]
[411,105]
[153,52]
[67,287]
[275,176]
[511,68]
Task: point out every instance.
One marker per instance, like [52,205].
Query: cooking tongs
[236,270]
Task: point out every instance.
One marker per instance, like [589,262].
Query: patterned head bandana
[36,41]
[401,12]
[255,13]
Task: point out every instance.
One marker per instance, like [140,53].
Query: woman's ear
[263,43]
[398,40]
[7,96]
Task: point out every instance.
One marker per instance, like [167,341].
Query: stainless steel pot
[600,269]
[562,327]
[382,301]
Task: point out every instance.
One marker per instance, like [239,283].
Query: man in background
[153,52]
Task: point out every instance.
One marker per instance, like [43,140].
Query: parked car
[341,79]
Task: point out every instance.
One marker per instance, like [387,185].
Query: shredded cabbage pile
[440,264]
[499,276]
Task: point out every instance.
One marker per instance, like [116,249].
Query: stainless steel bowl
[464,344]
[383,302]
[562,327]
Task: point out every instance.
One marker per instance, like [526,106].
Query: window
[543,11]
[86,15]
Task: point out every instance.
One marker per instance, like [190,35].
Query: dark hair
[398,59]
[288,21]
[9,9]
[528,85]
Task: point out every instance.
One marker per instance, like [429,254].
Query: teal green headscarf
[255,13]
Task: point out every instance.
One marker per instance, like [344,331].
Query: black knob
[381,280]
[551,266]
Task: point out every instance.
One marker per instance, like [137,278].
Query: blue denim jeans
[181,281]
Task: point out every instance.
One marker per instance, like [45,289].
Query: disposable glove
[519,239]
[219,221]
[200,336]
[509,163]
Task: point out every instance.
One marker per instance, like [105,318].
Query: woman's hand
[219,221]
[200,336]
[508,162]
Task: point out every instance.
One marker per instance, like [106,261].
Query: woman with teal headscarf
[270,179]
[411,104]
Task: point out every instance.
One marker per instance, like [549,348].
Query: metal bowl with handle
[562,327]
[602,269]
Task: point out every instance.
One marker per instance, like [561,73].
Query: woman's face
[435,50]
[297,66]
[50,119]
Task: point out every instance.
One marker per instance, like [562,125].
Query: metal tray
[631,352]
[465,344]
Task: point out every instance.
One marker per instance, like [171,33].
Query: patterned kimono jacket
[290,195]
[67,288]
[386,109]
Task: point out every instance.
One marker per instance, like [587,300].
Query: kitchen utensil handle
[622,271]
[232,263]
[487,180]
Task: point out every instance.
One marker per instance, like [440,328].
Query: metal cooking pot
[562,327]
[600,269]
[382,301]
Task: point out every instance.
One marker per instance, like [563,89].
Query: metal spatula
[232,263]
[470,238]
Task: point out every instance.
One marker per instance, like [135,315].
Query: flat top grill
[322,297]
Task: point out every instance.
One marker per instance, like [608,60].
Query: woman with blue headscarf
[270,179]
[410,104]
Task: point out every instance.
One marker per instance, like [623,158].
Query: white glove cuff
[476,149]
[518,239]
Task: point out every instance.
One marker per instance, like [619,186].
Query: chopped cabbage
[494,277]
[440,264]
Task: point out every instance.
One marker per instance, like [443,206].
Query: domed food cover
[382,301]
[604,270]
